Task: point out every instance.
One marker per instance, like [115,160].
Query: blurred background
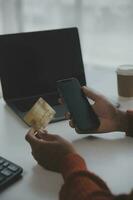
[105,26]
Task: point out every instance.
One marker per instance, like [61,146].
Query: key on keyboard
[9,172]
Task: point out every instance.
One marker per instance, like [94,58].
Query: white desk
[108,155]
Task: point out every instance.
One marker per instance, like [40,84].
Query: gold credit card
[40,114]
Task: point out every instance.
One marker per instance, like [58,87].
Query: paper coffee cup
[125,80]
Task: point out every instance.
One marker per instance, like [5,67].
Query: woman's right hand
[111,118]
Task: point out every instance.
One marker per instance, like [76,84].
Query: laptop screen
[32,62]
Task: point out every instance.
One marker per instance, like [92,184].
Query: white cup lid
[126,70]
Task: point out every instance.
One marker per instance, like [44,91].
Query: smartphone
[78,105]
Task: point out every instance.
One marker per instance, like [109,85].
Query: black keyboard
[26,104]
[9,172]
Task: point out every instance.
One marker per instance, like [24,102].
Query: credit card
[39,115]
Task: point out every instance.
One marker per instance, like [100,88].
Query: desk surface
[108,155]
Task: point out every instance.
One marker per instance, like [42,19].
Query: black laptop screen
[31,63]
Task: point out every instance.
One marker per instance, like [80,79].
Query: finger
[46,137]
[40,131]
[61,101]
[81,131]
[67,115]
[90,93]
[31,138]
[86,131]
[71,124]
[78,130]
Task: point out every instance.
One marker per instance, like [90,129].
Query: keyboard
[25,104]
[9,172]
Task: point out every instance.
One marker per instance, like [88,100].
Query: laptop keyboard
[8,172]
[25,104]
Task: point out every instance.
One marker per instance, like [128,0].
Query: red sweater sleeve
[81,184]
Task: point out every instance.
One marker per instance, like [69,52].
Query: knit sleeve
[81,184]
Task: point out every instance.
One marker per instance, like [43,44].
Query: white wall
[105,26]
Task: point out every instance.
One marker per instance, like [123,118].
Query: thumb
[31,138]
[48,137]
[90,93]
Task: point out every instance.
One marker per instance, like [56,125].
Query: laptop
[32,62]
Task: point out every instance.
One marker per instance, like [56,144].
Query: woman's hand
[111,118]
[49,150]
